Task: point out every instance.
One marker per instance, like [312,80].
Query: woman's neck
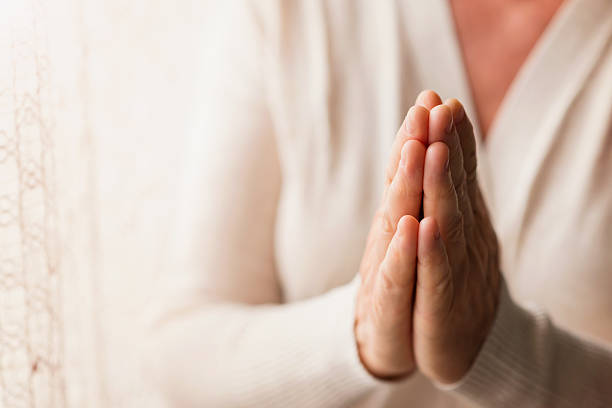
[496,37]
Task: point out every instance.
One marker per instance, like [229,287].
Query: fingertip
[408,225]
[407,235]
[440,123]
[417,123]
[456,108]
[413,152]
[429,236]
[438,156]
[437,180]
[430,227]
[410,114]
[398,265]
[420,112]
[428,99]
[441,107]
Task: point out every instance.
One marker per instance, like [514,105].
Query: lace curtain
[95,102]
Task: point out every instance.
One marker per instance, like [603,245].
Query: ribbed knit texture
[235,356]
[528,362]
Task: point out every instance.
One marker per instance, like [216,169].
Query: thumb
[395,281]
[434,293]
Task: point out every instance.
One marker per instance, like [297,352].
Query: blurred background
[96,100]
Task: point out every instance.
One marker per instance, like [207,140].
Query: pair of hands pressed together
[429,288]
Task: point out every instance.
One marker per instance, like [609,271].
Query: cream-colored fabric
[300,101]
[95,102]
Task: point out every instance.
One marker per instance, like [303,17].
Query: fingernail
[447,164]
[437,233]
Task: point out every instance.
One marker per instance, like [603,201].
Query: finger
[441,129]
[440,199]
[395,281]
[394,284]
[428,99]
[402,197]
[467,140]
[415,127]
[405,193]
[392,294]
[434,292]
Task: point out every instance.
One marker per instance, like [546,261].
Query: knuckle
[470,169]
[461,191]
[399,188]
[442,290]
[388,180]
[456,150]
[467,128]
[448,191]
[466,210]
[378,306]
[386,223]
[392,301]
[458,174]
[455,227]
[387,281]
[413,194]
[367,266]
[406,192]
[474,195]
[402,190]
[389,175]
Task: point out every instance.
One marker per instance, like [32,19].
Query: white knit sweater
[300,103]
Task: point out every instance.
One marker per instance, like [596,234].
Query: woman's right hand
[383,317]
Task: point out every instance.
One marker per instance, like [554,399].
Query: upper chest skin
[496,36]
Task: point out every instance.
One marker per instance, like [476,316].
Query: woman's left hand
[458,275]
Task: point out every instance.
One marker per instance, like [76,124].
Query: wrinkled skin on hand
[429,287]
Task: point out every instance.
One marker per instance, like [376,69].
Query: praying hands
[429,286]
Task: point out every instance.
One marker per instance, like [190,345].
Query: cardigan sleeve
[220,336]
[301,354]
[527,361]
